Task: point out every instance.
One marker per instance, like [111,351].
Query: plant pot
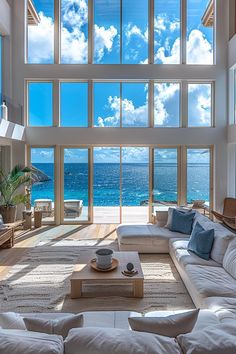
[8,213]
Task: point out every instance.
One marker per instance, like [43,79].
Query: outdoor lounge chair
[228,217]
[73,207]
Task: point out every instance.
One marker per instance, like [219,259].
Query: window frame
[150,56]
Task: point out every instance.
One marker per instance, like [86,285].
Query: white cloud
[164,93]
[103,40]
[134,30]
[199,50]
[131,115]
[40,40]
[200,104]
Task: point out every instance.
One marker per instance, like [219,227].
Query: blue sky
[107,41]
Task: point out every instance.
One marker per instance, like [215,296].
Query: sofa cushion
[182,222]
[117,341]
[185,257]
[201,241]
[59,326]
[144,234]
[169,326]
[229,261]
[221,303]
[210,340]
[23,342]
[11,320]
[210,281]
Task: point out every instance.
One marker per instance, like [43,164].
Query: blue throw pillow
[201,241]
[182,222]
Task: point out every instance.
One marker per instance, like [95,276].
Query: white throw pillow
[11,320]
[93,340]
[60,326]
[210,340]
[24,342]
[170,326]
[220,245]
[229,261]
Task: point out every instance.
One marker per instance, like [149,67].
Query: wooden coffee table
[83,273]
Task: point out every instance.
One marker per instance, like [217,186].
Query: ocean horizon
[135,183]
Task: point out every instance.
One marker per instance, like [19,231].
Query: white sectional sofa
[209,284]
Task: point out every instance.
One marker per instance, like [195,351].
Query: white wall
[197,136]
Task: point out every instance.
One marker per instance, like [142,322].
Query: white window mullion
[56,103]
[184,105]
[57,31]
[151,103]
[151,32]
[90,31]
[183,38]
[121,31]
[90,103]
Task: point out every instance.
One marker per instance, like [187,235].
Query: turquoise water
[135,179]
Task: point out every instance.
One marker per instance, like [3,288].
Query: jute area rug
[40,282]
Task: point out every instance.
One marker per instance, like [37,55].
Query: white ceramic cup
[104,258]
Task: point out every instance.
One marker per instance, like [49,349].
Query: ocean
[134,186]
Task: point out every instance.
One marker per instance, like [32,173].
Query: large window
[198,175]
[165,177]
[199,105]
[43,187]
[76,185]
[74,32]
[200,34]
[119,183]
[106,187]
[41,32]
[167,32]
[106,104]
[121,32]
[166,104]
[106,32]
[120,104]
[74,104]
[40,103]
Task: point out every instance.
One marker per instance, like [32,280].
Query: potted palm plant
[10,196]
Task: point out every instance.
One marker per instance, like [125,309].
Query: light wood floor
[28,239]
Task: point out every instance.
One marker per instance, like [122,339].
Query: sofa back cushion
[218,339]
[93,340]
[23,342]
[229,261]
[169,326]
[182,222]
[59,326]
[201,241]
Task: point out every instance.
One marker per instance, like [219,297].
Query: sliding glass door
[76,185]
[165,177]
[135,184]
[43,176]
[199,176]
[106,185]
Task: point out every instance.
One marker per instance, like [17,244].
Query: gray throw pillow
[169,326]
[60,326]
